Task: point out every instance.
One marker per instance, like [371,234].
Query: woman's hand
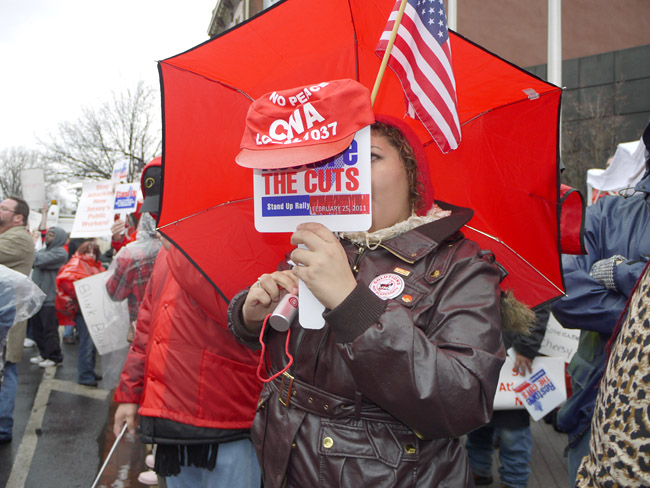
[323,266]
[264,296]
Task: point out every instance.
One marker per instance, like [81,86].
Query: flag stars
[431,21]
[441,12]
[432,10]
[440,34]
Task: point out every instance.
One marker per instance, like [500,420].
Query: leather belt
[295,393]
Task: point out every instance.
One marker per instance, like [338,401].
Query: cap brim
[278,157]
[151,204]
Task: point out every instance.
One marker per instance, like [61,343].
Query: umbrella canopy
[506,167]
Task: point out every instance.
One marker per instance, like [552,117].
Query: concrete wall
[517,29]
[606,101]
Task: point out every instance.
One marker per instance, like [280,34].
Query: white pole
[452,14]
[554,67]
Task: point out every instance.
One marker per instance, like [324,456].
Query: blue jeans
[576,452]
[236,467]
[515,450]
[8,400]
[86,353]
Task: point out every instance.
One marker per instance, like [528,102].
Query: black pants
[45,328]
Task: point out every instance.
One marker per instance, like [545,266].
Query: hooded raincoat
[47,262]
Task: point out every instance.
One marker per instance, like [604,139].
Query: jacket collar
[420,241]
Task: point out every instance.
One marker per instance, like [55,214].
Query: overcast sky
[61,55]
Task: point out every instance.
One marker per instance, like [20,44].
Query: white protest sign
[507,398]
[544,389]
[33,184]
[94,215]
[558,341]
[120,172]
[34,220]
[334,192]
[107,321]
[126,199]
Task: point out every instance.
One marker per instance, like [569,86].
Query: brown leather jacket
[380,395]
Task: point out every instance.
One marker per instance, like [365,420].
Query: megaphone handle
[310,310]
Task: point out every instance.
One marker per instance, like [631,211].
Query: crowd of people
[406,366]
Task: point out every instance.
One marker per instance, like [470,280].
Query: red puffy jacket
[79,266]
[184,365]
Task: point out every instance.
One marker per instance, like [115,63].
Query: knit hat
[424,177]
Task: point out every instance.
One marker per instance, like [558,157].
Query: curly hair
[395,137]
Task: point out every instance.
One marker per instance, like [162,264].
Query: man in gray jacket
[17,253]
[45,326]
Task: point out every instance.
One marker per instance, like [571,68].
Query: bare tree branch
[122,129]
[12,162]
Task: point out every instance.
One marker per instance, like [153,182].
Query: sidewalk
[63,433]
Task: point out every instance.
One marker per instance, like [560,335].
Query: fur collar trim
[372,240]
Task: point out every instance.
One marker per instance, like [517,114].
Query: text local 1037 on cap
[303,125]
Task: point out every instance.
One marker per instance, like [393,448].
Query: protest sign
[126,199]
[335,192]
[558,341]
[34,220]
[544,389]
[107,321]
[120,172]
[33,183]
[507,397]
[94,215]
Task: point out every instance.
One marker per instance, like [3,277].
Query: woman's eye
[374,156]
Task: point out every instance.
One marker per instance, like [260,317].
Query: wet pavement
[63,432]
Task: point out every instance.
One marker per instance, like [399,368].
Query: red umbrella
[506,167]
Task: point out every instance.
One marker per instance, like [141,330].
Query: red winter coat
[78,267]
[184,365]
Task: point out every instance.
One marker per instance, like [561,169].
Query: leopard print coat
[620,430]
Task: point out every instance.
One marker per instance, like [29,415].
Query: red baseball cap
[304,124]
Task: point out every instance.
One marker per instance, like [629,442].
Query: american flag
[421,58]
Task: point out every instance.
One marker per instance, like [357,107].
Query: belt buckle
[289,388]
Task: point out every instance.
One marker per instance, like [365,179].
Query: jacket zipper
[399,256]
[359,252]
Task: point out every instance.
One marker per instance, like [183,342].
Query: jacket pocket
[228,402]
[377,453]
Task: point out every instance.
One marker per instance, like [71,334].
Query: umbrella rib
[516,254]
[202,211]
[226,85]
[506,105]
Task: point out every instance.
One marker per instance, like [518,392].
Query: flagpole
[389,48]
